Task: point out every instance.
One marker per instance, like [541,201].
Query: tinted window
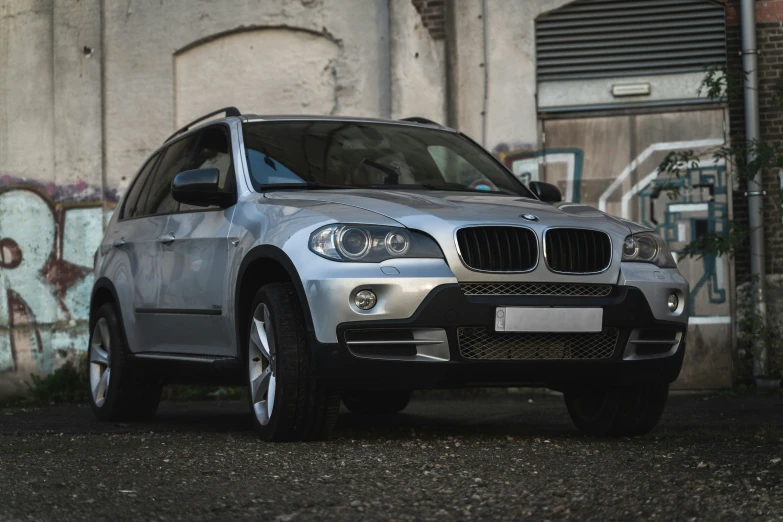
[267,171]
[175,160]
[131,207]
[371,155]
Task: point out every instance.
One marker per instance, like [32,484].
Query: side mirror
[546,192]
[200,188]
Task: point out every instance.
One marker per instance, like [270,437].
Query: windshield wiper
[453,187]
[460,188]
[309,185]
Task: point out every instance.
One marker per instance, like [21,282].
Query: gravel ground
[505,457]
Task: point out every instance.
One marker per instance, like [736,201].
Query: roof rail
[419,119]
[229,111]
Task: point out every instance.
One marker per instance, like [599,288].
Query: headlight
[371,244]
[648,247]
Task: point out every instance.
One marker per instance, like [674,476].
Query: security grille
[610,38]
[480,343]
[549,289]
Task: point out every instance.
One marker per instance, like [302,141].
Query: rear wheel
[286,398]
[118,391]
[378,402]
[617,411]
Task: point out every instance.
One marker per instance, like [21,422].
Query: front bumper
[446,309]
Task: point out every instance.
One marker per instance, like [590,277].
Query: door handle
[166,238]
[118,242]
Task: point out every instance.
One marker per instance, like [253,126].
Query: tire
[376,402]
[287,401]
[118,391]
[619,412]
[641,410]
[593,410]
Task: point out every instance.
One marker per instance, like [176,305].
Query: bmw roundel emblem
[529,217]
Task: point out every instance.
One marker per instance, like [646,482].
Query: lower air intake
[481,343]
[553,289]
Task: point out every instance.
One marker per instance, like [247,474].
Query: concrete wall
[52,194]
[418,66]
[507,118]
[89,88]
[497,101]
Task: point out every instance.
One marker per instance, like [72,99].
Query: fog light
[365,299]
[673,302]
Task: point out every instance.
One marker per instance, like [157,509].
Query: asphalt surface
[444,458]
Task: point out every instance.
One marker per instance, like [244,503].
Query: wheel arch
[262,265]
[103,291]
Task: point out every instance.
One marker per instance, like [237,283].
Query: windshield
[340,154]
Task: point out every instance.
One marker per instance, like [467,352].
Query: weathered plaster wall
[298,78]
[52,195]
[418,66]
[89,88]
[141,37]
[510,84]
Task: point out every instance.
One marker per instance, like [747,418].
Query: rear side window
[132,206]
[174,160]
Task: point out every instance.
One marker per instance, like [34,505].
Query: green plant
[67,384]
[187,392]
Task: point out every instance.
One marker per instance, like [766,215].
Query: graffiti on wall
[698,206]
[527,164]
[48,236]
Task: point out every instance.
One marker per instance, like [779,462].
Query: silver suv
[316,259]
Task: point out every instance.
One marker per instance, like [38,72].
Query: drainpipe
[755,192]
[485,106]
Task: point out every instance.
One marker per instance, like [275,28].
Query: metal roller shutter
[615,38]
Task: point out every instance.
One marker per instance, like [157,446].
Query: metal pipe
[385,59]
[755,193]
[485,106]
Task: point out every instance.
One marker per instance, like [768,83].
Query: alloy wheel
[100,362]
[261,364]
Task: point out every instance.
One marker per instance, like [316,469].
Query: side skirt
[185,368]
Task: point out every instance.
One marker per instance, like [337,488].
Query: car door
[156,206]
[194,285]
[136,251]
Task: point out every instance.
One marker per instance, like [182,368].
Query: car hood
[427,210]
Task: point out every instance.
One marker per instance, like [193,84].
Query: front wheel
[376,402]
[287,400]
[623,412]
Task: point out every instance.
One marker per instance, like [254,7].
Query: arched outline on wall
[248,28]
[323,33]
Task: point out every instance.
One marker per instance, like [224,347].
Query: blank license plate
[529,319]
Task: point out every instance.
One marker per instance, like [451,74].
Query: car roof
[306,117]
[255,118]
